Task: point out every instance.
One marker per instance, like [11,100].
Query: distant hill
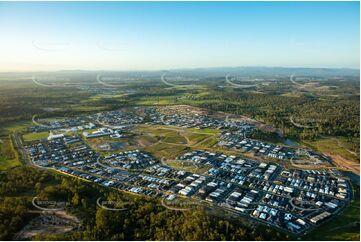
[199,72]
[282,71]
[216,71]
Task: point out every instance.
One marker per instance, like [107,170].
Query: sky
[171,35]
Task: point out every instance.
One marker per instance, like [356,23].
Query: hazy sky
[145,35]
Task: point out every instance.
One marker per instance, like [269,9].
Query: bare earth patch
[345,164]
[49,223]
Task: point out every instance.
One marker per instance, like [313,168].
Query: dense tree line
[20,180]
[13,216]
[328,116]
[18,103]
[319,115]
[14,185]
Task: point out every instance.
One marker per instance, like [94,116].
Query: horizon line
[182,68]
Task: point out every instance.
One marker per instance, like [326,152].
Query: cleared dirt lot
[48,223]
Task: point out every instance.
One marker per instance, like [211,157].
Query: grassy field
[17,126]
[8,156]
[169,142]
[195,138]
[345,226]
[144,140]
[205,131]
[334,146]
[174,137]
[339,150]
[208,142]
[95,144]
[35,136]
[102,96]
[156,130]
[175,134]
[169,151]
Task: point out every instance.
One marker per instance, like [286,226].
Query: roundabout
[303,205]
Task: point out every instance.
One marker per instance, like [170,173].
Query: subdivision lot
[345,226]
